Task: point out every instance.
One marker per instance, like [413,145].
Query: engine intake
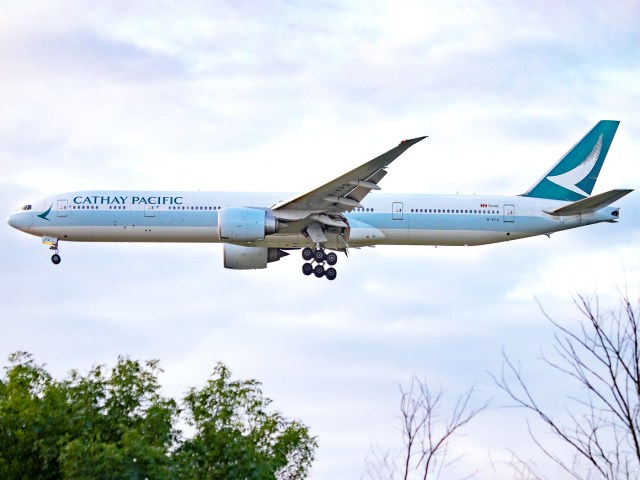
[245,224]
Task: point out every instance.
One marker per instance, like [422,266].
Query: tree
[236,436]
[601,358]
[426,434]
[92,426]
[118,423]
[114,424]
[29,420]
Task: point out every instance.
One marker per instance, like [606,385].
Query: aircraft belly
[334,241]
[364,235]
[296,240]
[445,237]
[130,234]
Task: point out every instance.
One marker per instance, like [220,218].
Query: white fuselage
[386,219]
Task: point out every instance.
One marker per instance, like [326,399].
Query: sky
[284,96]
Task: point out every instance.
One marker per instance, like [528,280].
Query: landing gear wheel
[331,273]
[332,258]
[307,254]
[318,271]
[307,269]
[319,256]
[55,258]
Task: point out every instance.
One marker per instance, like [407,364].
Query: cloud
[265,97]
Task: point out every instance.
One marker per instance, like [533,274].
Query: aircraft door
[149,210]
[396,210]
[63,208]
[509,213]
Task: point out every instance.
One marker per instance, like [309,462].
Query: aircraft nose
[15,221]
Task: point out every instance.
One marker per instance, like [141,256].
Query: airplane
[260,228]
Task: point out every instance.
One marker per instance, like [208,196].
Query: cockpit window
[26,207]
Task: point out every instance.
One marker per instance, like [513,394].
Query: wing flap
[590,204]
[363,187]
[316,233]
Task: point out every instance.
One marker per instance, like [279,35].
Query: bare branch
[426,432]
[602,357]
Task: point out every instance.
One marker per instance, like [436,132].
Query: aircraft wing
[344,193]
[590,204]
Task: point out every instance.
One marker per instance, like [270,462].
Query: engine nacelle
[245,224]
[238,257]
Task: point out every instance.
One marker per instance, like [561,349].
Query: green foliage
[118,426]
[236,437]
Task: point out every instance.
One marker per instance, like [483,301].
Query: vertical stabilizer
[575,174]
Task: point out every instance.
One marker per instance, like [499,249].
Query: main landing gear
[320,257]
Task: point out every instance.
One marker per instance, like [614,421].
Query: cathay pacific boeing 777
[258,228]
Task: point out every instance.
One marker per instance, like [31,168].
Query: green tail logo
[573,177]
[43,215]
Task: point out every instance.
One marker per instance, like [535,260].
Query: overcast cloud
[282,96]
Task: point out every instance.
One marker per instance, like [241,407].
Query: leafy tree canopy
[115,424]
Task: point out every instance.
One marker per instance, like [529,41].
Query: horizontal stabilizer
[590,204]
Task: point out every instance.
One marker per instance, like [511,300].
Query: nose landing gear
[56,259]
[53,245]
[320,257]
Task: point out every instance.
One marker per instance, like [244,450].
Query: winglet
[412,141]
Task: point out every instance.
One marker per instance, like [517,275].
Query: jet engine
[238,257]
[245,224]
